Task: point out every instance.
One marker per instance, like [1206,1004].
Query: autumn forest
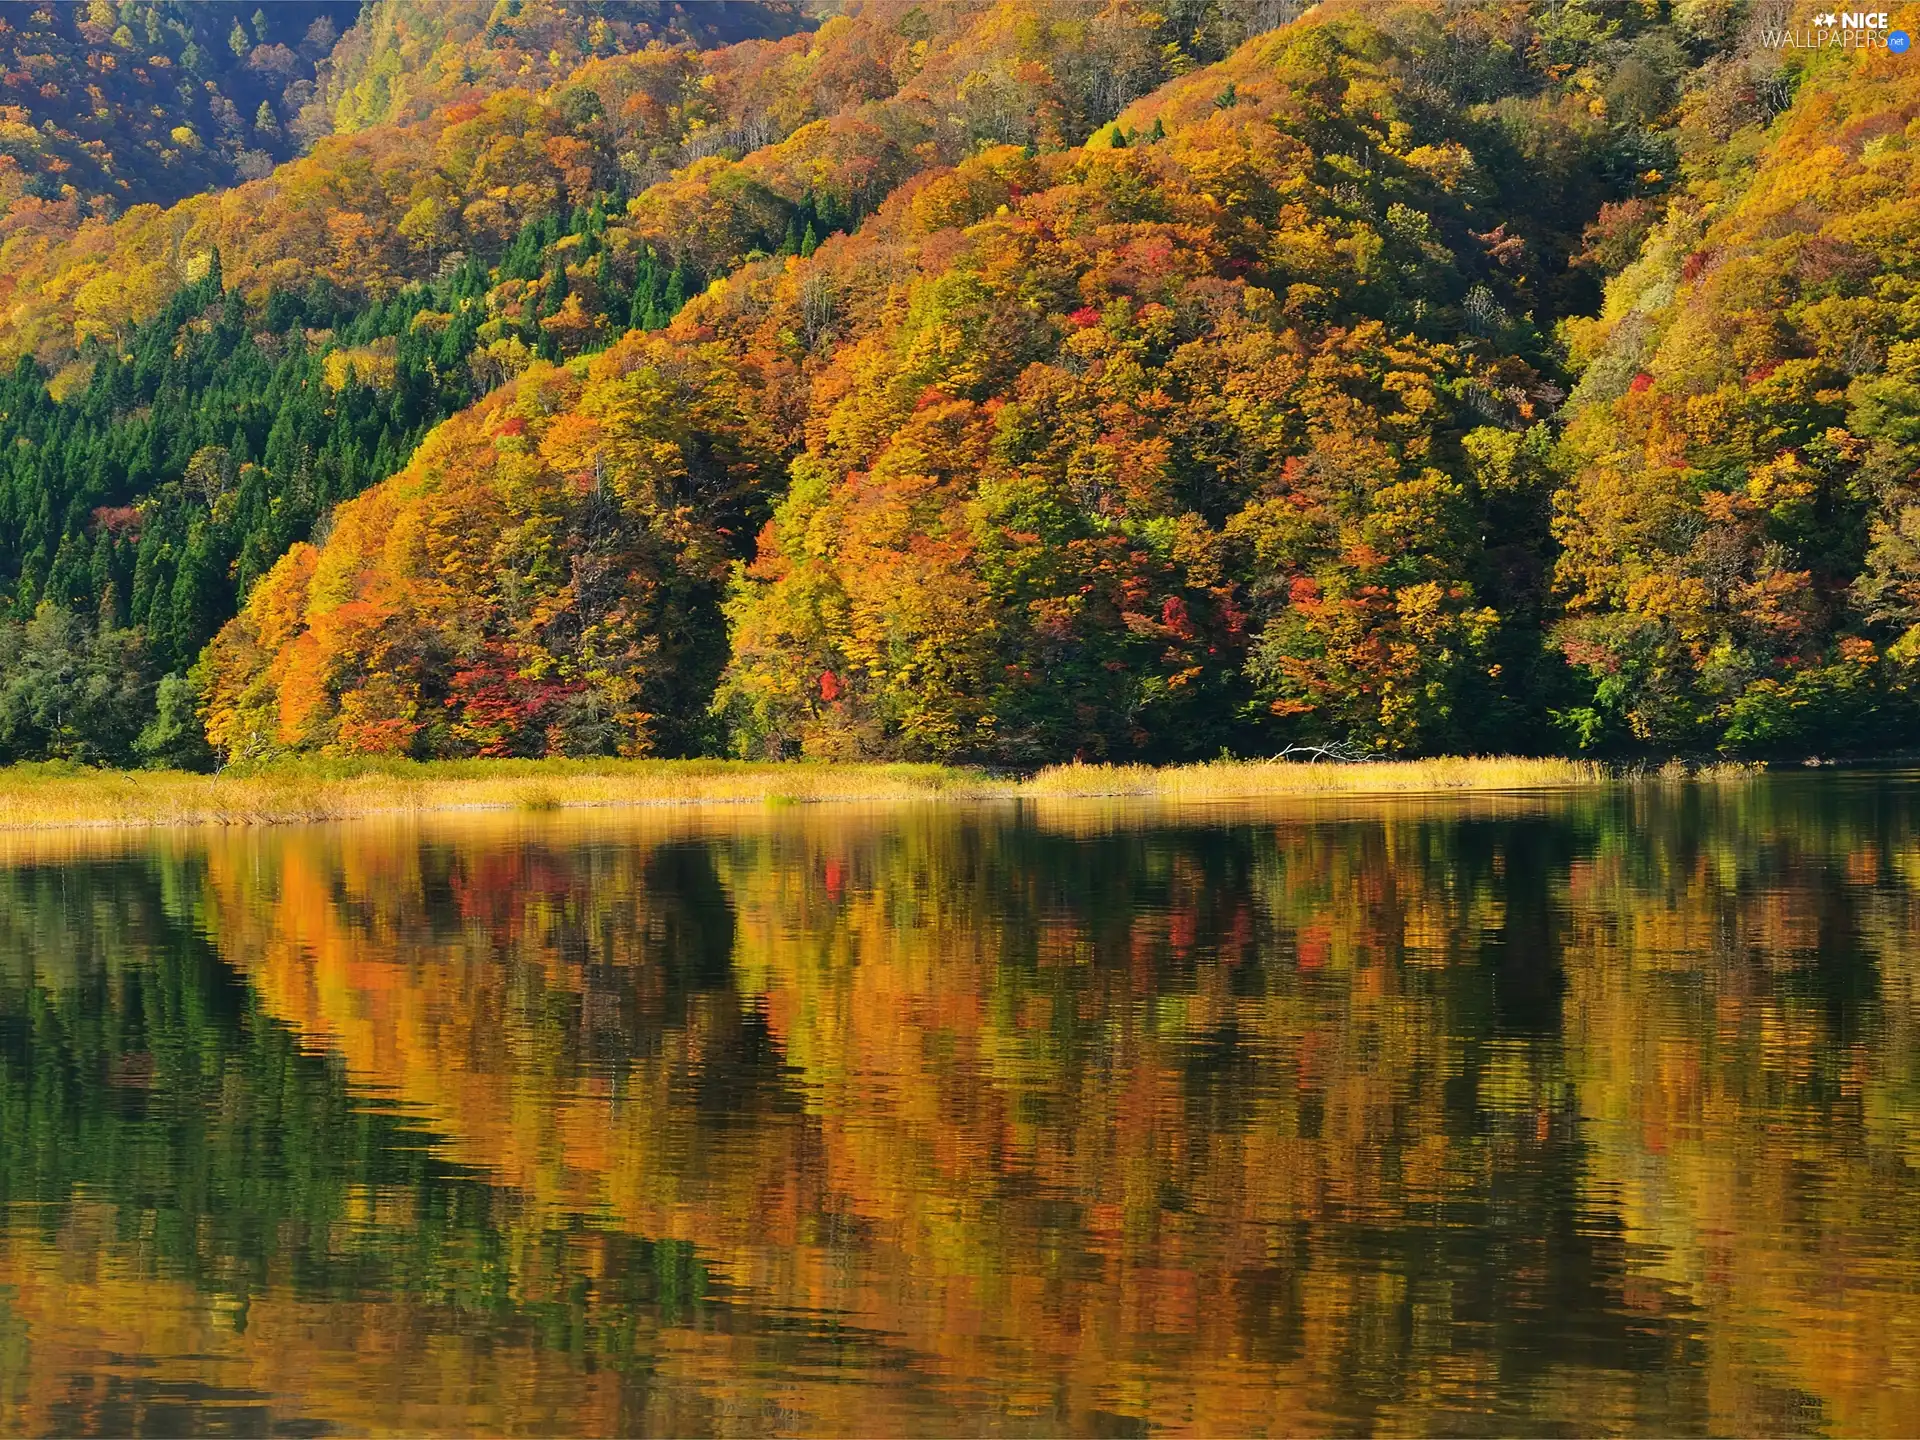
[987,381]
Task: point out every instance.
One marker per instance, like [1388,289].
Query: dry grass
[46,796]
[34,796]
[1250,779]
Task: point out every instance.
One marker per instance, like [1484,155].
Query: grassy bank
[44,796]
[1247,779]
[37,796]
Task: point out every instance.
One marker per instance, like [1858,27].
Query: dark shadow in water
[1524,956]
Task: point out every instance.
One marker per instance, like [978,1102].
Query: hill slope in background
[1051,393]
[103,106]
[741,134]
[406,58]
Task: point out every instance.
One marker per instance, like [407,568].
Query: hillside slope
[103,106]
[1741,526]
[406,58]
[996,382]
[1222,429]
[739,135]
[185,430]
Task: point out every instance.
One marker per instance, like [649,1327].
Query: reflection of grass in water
[35,796]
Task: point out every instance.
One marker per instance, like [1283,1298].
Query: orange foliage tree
[543,578]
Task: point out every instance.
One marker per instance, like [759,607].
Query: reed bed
[1251,779]
[47,796]
[54,796]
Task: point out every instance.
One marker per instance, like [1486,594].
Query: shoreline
[57,797]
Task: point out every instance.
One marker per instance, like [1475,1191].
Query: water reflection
[1554,1116]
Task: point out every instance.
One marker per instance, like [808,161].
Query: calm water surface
[1514,1114]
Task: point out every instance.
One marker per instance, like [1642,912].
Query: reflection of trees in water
[1740,1031]
[1348,1159]
[139,1073]
[1394,1120]
[150,1076]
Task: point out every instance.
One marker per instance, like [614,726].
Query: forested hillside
[107,105]
[1740,543]
[1002,382]
[405,58]
[368,290]
[734,138]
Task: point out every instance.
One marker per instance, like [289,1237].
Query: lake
[1571,1113]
